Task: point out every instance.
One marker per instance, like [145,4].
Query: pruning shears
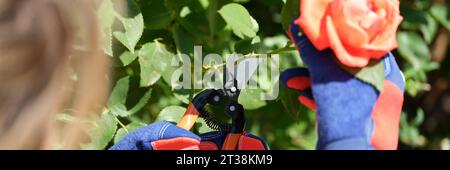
[234,79]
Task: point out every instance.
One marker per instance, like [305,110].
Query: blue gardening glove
[159,136]
[166,136]
[351,114]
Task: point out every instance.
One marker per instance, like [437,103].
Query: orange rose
[356,30]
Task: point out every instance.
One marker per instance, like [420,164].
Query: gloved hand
[351,114]
[166,136]
[159,136]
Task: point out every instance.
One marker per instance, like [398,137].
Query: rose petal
[386,40]
[349,31]
[355,10]
[312,21]
[352,57]
[375,23]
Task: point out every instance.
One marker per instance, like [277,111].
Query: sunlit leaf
[119,110]
[133,28]
[251,98]
[153,60]
[127,57]
[240,21]
[119,92]
[102,132]
[105,15]
[171,114]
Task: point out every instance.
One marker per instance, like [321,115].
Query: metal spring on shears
[213,122]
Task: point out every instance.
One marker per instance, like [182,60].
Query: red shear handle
[232,141]
[189,117]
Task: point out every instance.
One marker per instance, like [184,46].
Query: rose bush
[178,25]
[356,30]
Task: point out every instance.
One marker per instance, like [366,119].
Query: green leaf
[171,114]
[441,13]
[119,110]
[413,49]
[429,29]
[134,27]
[141,103]
[128,129]
[418,120]
[127,57]
[102,133]
[290,11]
[153,60]
[118,97]
[240,21]
[149,75]
[105,15]
[183,95]
[409,130]
[119,92]
[373,75]
[157,54]
[251,99]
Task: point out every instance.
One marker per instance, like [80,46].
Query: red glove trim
[299,83]
[308,102]
[386,117]
[208,145]
[178,143]
[248,143]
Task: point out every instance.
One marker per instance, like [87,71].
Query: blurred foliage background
[143,38]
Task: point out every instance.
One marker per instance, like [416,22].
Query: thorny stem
[287,47]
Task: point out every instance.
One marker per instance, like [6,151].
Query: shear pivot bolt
[232,108]
[233,89]
[216,98]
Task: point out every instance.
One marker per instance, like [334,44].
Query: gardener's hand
[351,114]
[159,136]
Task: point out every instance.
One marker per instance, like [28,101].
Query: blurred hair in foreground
[50,60]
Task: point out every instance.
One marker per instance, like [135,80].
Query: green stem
[284,49]
[121,124]
[276,51]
